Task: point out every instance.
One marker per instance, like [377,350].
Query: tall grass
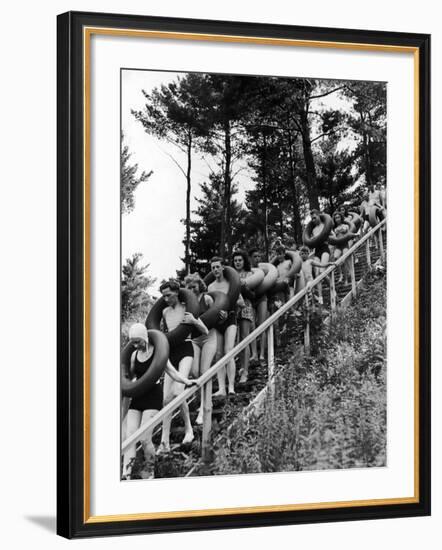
[327,411]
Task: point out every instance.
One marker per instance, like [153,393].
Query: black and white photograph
[253,274]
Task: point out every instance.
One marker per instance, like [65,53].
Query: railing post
[332,292]
[307,327]
[353,276]
[367,253]
[381,244]
[206,403]
[270,352]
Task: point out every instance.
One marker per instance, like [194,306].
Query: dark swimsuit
[153,398]
[319,250]
[203,307]
[231,320]
[181,350]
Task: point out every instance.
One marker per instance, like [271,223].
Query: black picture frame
[72,391]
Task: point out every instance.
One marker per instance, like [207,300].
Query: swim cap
[138,330]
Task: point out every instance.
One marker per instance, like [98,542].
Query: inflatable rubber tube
[256,278]
[271,274]
[220,302]
[296,263]
[351,226]
[342,239]
[232,277]
[182,331]
[153,373]
[246,292]
[313,242]
[373,216]
[251,282]
[356,219]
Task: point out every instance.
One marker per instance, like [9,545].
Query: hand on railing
[188,383]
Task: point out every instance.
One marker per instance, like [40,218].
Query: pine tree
[174,114]
[134,284]
[129,180]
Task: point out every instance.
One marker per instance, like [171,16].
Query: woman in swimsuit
[225,331]
[145,406]
[341,228]
[245,312]
[204,342]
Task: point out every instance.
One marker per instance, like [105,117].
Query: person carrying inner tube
[181,357]
[226,330]
[322,252]
[283,265]
[371,198]
[306,274]
[341,229]
[144,407]
[204,342]
[343,210]
[245,312]
[260,306]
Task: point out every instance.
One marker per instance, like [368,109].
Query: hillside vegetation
[328,410]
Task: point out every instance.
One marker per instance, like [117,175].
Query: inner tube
[296,263]
[351,226]
[342,239]
[271,274]
[232,277]
[313,242]
[374,215]
[182,331]
[356,219]
[256,278]
[153,373]
[220,302]
[251,282]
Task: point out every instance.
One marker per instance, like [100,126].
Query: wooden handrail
[210,373]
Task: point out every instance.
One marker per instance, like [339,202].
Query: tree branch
[175,161]
[324,134]
[327,93]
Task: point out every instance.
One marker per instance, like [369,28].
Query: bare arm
[175,375]
[318,264]
[189,319]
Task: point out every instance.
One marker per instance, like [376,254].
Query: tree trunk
[264,183]
[297,229]
[366,146]
[226,230]
[189,187]
[312,190]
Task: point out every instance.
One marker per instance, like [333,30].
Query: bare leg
[133,419]
[221,374]
[207,354]
[346,267]
[167,398]
[171,390]
[325,257]
[253,345]
[229,344]
[148,447]
[195,371]
[244,330]
[262,316]
[184,368]
[337,253]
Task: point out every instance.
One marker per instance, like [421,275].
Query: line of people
[189,359]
